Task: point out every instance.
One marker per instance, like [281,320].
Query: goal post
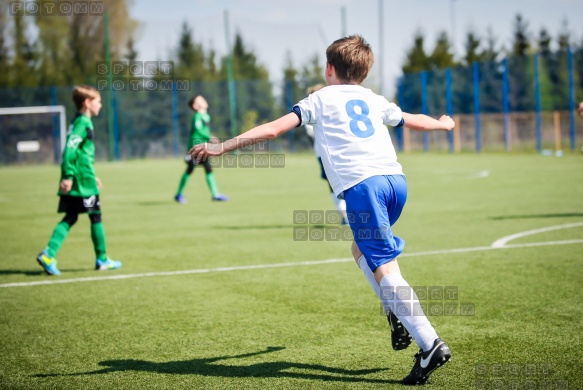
[23,139]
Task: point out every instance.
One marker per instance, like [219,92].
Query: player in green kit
[200,132]
[79,186]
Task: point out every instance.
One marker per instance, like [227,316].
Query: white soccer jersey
[350,133]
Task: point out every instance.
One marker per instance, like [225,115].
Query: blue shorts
[373,206]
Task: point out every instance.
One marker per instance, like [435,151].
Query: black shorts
[205,163]
[78,205]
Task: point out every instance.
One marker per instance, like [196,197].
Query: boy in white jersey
[361,165]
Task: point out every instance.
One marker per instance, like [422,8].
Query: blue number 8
[356,117]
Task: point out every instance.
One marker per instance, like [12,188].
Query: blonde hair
[351,57]
[83,92]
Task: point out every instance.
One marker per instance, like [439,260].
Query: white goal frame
[41,110]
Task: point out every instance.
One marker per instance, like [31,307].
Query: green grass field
[235,319]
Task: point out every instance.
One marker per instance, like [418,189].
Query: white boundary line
[278,265]
[502,242]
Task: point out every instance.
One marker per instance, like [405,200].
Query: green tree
[560,75]
[4,56]
[23,69]
[521,73]
[190,55]
[69,47]
[131,53]
[472,46]
[254,90]
[312,73]
[417,60]
[564,39]
[578,70]
[211,65]
[521,36]
[548,74]
[291,91]
[441,56]
[490,53]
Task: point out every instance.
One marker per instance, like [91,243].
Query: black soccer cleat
[400,337]
[427,362]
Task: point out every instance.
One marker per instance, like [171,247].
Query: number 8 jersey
[350,133]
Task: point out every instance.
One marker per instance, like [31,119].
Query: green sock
[183,181]
[210,181]
[98,237]
[59,235]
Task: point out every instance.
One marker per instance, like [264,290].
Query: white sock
[340,206]
[399,295]
[363,265]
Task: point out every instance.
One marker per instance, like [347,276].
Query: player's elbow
[272,132]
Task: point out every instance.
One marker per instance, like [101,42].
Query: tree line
[43,51]
[490,57]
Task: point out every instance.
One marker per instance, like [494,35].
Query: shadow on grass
[556,215]
[21,272]
[205,367]
[37,273]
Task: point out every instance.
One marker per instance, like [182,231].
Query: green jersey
[78,158]
[200,132]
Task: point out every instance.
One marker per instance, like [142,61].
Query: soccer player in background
[79,186]
[200,132]
[339,203]
[361,165]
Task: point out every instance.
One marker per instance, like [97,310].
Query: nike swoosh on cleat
[425,362]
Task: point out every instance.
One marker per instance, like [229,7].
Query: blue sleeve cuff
[296,110]
[401,123]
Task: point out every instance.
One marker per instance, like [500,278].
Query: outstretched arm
[263,132]
[422,122]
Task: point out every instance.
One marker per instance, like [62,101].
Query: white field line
[278,265]
[502,241]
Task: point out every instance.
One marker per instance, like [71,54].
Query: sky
[304,28]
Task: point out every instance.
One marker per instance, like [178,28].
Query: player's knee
[95,218]
[70,219]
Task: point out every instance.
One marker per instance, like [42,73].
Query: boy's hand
[448,123]
[99,184]
[201,152]
[66,185]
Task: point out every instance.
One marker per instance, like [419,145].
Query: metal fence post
[424,107]
[476,78]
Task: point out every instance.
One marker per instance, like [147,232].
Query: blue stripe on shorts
[373,206]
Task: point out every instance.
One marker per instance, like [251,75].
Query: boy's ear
[329,69]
